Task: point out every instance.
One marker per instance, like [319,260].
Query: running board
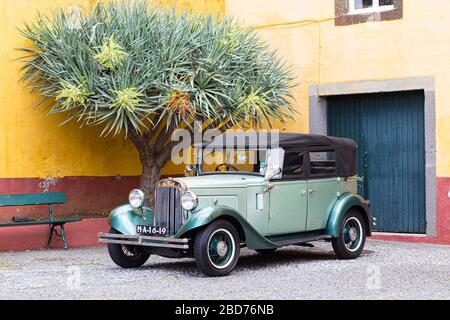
[290,242]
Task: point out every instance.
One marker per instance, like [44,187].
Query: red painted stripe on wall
[78,235]
[86,195]
[443,209]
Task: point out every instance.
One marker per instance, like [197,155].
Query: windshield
[233,161]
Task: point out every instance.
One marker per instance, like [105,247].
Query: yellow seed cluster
[252,103]
[111,54]
[127,99]
[72,96]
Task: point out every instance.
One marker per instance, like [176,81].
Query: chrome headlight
[189,201]
[136,198]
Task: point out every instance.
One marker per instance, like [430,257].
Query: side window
[350,12]
[323,163]
[294,164]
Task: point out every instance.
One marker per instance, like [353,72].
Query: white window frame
[375,8]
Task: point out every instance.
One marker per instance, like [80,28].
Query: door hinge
[268,187]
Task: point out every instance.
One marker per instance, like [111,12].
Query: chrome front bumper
[146,241]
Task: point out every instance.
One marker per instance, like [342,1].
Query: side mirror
[190,171]
[272,172]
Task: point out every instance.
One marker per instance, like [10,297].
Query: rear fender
[344,203]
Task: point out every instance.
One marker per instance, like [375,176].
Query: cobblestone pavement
[386,270]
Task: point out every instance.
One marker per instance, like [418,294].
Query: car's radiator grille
[168,210]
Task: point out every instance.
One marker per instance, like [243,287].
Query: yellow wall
[31,143]
[416,46]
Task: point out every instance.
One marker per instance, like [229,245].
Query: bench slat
[28,223]
[10,200]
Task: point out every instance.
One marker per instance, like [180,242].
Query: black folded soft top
[345,148]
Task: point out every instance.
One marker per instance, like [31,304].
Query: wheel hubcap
[353,234]
[221,248]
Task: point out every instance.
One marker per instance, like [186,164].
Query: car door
[323,187]
[258,208]
[289,197]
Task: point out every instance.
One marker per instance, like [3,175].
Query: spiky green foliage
[129,64]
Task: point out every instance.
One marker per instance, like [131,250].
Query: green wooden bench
[14,200]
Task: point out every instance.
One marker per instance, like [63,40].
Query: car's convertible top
[345,148]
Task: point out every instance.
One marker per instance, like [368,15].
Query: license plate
[151,231]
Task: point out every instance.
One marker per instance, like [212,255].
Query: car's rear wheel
[127,256]
[217,248]
[352,236]
[265,251]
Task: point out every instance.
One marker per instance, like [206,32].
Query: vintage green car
[241,193]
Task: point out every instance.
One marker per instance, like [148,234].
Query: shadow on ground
[252,261]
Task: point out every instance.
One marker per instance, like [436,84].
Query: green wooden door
[389,130]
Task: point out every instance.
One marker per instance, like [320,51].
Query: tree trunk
[151,174]
[153,158]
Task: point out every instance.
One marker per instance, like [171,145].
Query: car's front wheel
[352,236]
[127,256]
[217,248]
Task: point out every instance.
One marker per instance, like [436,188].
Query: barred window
[350,12]
[368,6]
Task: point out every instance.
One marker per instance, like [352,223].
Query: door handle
[312,191]
[365,164]
[304,192]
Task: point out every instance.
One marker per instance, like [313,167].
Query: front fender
[254,240]
[125,219]
[344,203]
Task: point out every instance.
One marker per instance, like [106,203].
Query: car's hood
[221,180]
